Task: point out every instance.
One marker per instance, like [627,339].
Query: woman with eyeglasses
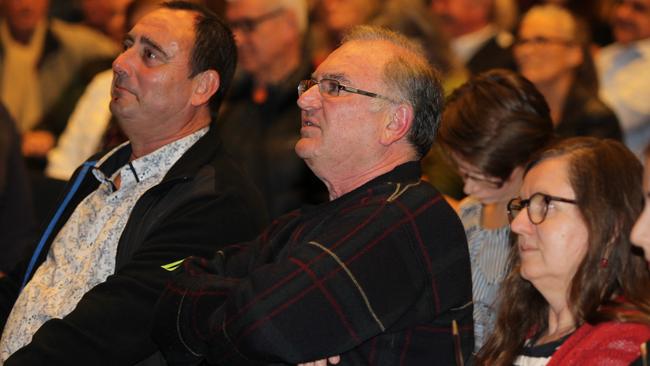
[491,126]
[552,49]
[576,294]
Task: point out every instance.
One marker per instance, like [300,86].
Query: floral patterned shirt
[83,253]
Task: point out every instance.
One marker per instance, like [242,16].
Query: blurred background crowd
[590,60]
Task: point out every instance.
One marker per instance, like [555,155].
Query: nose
[239,35]
[310,99]
[120,64]
[469,186]
[521,225]
[641,231]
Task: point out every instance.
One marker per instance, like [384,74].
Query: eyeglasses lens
[537,208]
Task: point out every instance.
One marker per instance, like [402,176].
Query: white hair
[300,9]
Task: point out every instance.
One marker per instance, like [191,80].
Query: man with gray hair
[259,119]
[380,274]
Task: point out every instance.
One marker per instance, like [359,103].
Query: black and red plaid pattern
[376,276]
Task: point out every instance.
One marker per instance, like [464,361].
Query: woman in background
[552,49]
[491,127]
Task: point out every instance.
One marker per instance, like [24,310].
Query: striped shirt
[488,251]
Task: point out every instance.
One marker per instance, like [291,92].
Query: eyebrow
[151,43]
[337,76]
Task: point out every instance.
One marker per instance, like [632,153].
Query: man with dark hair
[379,275]
[85,296]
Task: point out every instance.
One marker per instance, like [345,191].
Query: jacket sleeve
[111,324]
[363,275]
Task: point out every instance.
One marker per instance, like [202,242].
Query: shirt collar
[155,163]
[467,45]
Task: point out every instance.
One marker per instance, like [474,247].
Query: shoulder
[82,38]
[612,340]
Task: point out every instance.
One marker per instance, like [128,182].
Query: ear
[399,123]
[205,85]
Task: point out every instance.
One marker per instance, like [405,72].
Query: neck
[23,37]
[495,215]
[555,92]
[342,181]
[144,142]
[560,323]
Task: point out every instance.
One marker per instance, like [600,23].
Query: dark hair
[411,76]
[214,48]
[496,121]
[606,178]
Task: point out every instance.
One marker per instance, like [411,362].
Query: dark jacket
[376,276]
[203,203]
[491,55]
[586,115]
[17,223]
[262,135]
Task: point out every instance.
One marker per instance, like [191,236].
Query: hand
[324,362]
[37,143]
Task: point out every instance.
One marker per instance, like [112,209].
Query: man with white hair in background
[260,119]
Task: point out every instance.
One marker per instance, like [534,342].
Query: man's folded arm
[113,319]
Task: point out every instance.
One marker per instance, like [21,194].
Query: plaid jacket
[376,276]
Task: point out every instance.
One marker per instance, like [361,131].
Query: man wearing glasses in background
[378,275]
[259,121]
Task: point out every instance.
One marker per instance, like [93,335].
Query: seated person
[553,51]
[379,274]
[491,127]
[86,295]
[576,293]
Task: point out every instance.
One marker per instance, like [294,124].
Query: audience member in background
[335,18]
[624,69]
[641,236]
[91,127]
[490,128]
[553,51]
[87,294]
[576,293]
[596,14]
[16,210]
[475,37]
[39,58]
[259,123]
[411,18]
[106,16]
[378,274]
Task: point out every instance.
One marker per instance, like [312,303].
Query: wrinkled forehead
[167,27]
[357,61]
